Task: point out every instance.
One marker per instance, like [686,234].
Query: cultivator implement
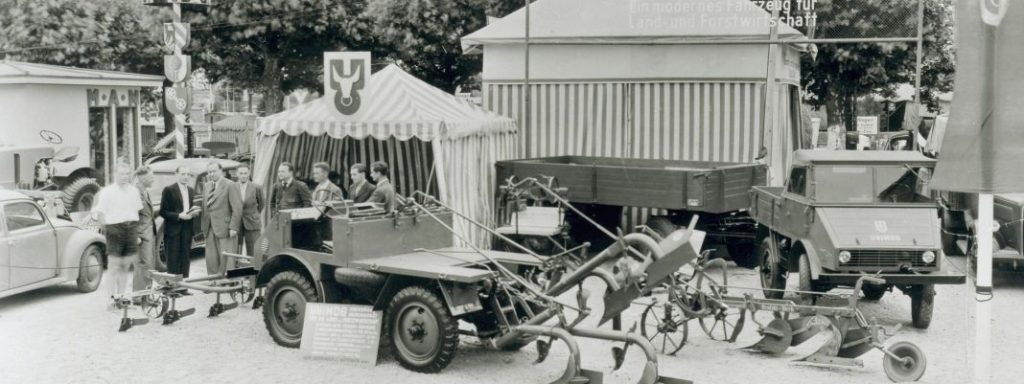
[161,300]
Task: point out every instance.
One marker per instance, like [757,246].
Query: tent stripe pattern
[699,121]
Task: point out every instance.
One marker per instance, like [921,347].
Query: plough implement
[160,301]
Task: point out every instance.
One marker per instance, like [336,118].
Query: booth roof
[396,104]
[16,72]
[239,122]
[629,22]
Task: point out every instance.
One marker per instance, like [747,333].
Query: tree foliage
[424,35]
[842,73]
[100,34]
[275,46]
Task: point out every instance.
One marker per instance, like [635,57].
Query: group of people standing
[229,213]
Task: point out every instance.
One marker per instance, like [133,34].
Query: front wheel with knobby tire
[910,364]
[808,295]
[922,298]
[285,309]
[773,273]
[79,195]
[90,269]
[423,334]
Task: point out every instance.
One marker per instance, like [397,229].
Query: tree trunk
[273,97]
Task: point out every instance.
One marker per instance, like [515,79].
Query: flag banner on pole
[984,139]
[176,36]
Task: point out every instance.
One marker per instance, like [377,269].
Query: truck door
[796,207]
[31,244]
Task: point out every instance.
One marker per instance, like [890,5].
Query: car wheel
[424,336]
[922,298]
[807,288]
[286,296]
[873,292]
[90,269]
[160,261]
[773,274]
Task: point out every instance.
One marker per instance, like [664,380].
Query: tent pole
[983,291]
[771,90]
[526,78]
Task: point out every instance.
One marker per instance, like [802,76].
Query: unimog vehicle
[844,214]
[404,264]
[35,168]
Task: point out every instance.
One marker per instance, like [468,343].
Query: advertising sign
[867,124]
[345,78]
[341,332]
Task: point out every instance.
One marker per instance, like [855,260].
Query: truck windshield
[870,184]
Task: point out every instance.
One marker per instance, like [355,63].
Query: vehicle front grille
[886,258]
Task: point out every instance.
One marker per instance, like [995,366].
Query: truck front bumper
[944,276]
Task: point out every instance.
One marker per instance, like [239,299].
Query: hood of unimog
[881,227]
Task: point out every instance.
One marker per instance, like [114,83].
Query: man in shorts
[117,208]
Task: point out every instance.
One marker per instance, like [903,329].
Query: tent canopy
[240,122]
[399,113]
[629,22]
[398,105]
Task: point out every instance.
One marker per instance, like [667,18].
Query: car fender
[71,255]
[812,257]
[265,274]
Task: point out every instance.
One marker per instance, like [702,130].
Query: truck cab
[842,214]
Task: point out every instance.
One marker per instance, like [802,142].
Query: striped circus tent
[432,141]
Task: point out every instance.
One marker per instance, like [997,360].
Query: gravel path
[56,335]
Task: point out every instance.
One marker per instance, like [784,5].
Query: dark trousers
[247,237]
[177,249]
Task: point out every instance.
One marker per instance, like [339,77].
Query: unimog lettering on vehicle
[844,214]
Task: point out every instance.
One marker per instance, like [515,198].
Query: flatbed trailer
[601,187]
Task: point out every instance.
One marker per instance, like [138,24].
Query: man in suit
[176,209]
[222,218]
[385,193]
[147,231]
[252,204]
[288,193]
[360,190]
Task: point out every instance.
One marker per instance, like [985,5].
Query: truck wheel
[90,269]
[78,196]
[806,284]
[773,274]
[873,292]
[287,295]
[424,335]
[922,298]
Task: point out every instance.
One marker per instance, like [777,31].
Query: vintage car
[843,214]
[37,250]
[1008,235]
[163,173]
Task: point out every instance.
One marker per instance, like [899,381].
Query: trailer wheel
[287,295]
[773,274]
[78,196]
[424,335]
[922,298]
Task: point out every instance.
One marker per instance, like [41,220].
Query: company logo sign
[345,78]
[881,226]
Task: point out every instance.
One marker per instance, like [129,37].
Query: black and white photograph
[511,191]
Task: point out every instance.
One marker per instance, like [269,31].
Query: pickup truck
[844,214]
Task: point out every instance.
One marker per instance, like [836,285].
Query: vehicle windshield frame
[828,188]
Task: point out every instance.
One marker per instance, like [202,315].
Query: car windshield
[871,184]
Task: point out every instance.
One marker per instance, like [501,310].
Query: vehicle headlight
[844,257]
[928,257]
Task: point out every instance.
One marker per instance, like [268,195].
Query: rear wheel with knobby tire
[285,309]
[423,334]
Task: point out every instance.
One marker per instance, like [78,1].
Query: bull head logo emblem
[348,81]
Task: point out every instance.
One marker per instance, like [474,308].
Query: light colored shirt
[118,204]
[241,188]
[186,200]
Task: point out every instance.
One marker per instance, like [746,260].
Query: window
[798,181]
[22,216]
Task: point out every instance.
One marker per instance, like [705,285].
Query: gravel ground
[56,335]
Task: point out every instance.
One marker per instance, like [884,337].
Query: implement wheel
[873,292]
[773,273]
[910,367]
[424,335]
[287,295]
[665,327]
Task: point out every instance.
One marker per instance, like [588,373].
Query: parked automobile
[163,173]
[38,250]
